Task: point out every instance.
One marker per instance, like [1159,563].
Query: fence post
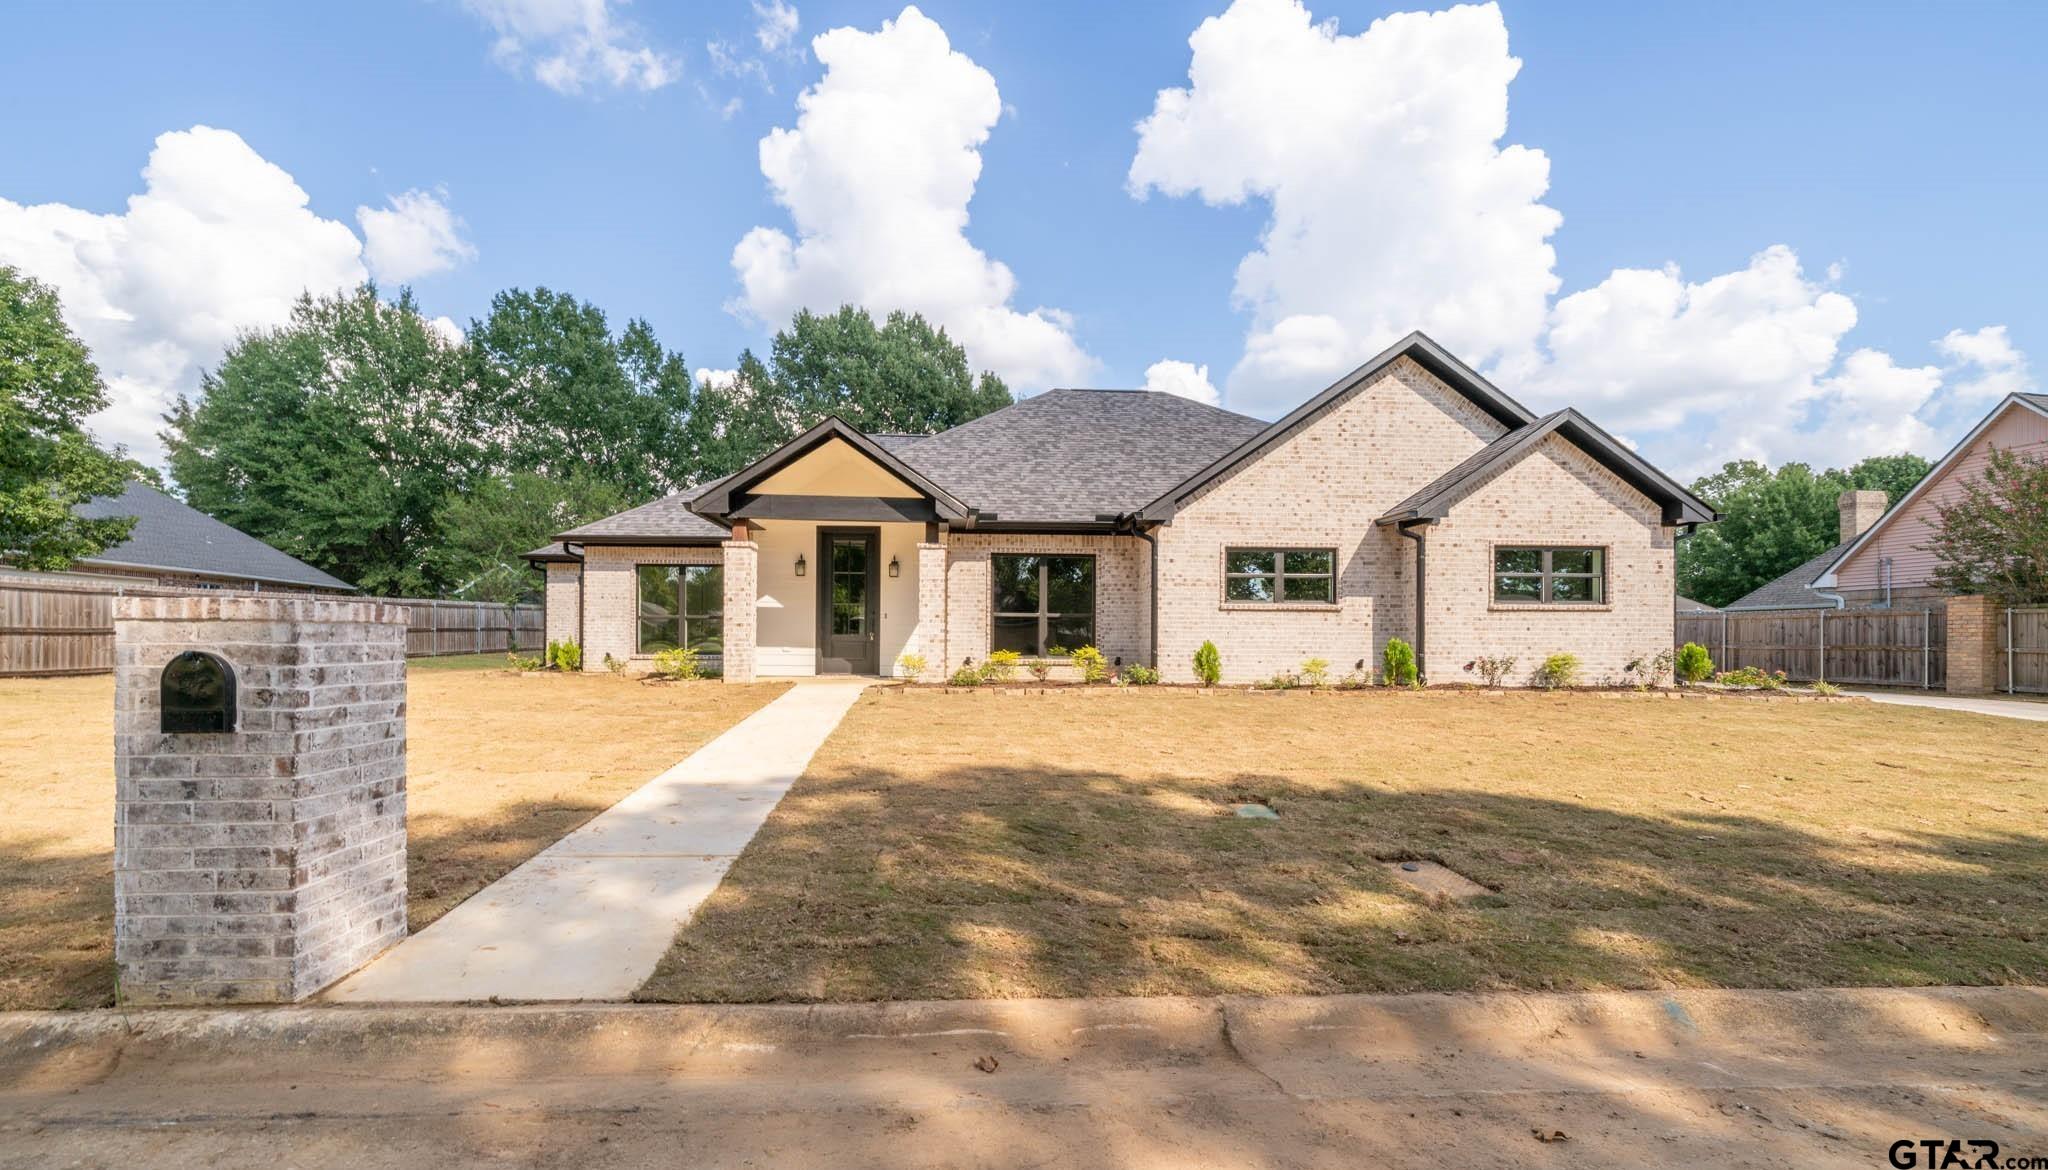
[1926,649]
[2011,648]
[1823,646]
[1725,664]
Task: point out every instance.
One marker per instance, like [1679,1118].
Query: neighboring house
[1879,561]
[174,544]
[1688,605]
[1885,562]
[1145,524]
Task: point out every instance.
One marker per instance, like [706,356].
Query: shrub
[614,665]
[1040,669]
[677,663]
[1558,670]
[1001,665]
[1752,676]
[1646,670]
[1353,681]
[1492,670]
[521,662]
[1209,664]
[1140,676]
[1397,664]
[1824,687]
[565,655]
[1692,663]
[1090,662]
[1285,680]
[1316,672]
[910,665]
[966,676]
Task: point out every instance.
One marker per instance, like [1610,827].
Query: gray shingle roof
[1069,456]
[177,537]
[1688,605]
[667,519]
[2040,400]
[554,550]
[1790,591]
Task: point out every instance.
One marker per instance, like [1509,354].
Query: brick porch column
[742,573]
[1976,665]
[931,609]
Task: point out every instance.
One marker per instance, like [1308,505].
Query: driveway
[1806,1079]
[590,916]
[2032,709]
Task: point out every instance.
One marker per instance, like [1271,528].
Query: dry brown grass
[500,767]
[967,845]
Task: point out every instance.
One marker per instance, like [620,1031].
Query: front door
[849,590]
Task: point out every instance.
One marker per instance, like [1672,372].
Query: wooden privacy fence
[2024,642]
[54,627]
[1872,647]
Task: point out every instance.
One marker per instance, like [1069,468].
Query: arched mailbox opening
[198,694]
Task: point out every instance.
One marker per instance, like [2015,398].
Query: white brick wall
[611,595]
[564,601]
[1122,584]
[1323,486]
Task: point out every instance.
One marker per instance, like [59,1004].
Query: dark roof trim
[1416,346]
[886,509]
[1435,501]
[2037,403]
[669,540]
[339,585]
[717,500]
[552,551]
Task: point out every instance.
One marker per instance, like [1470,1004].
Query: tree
[485,529]
[337,438]
[560,396]
[1774,521]
[1993,539]
[906,377]
[48,464]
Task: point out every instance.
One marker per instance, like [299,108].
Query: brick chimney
[1859,510]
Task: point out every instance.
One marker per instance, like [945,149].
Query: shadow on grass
[1043,881]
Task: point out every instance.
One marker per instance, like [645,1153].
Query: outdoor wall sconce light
[799,564]
[895,570]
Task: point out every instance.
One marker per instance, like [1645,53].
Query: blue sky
[1895,155]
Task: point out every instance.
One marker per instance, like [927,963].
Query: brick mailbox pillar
[259,769]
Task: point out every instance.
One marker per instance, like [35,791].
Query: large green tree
[1993,537]
[485,529]
[337,438]
[1774,521]
[48,464]
[561,396]
[905,376]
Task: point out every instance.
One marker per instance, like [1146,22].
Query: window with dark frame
[1550,576]
[1276,576]
[1043,604]
[681,605]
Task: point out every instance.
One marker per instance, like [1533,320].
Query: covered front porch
[807,597]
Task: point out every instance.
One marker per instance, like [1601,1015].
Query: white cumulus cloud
[1183,379]
[775,24]
[1394,205]
[876,177]
[716,379]
[417,235]
[572,46]
[219,241]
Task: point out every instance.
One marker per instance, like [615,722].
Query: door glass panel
[849,586]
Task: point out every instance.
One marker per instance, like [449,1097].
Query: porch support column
[742,572]
[931,607]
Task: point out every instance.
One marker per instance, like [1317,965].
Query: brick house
[1145,524]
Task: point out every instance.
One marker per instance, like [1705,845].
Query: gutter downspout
[1418,531]
[1146,535]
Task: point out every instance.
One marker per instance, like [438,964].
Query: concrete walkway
[1630,1079]
[1975,704]
[590,916]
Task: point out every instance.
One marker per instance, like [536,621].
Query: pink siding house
[1886,563]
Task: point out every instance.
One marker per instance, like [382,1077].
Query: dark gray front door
[849,591]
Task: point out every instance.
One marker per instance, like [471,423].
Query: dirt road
[1796,1079]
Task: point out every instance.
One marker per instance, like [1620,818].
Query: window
[1562,576]
[681,605]
[1279,575]
[1043,604]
